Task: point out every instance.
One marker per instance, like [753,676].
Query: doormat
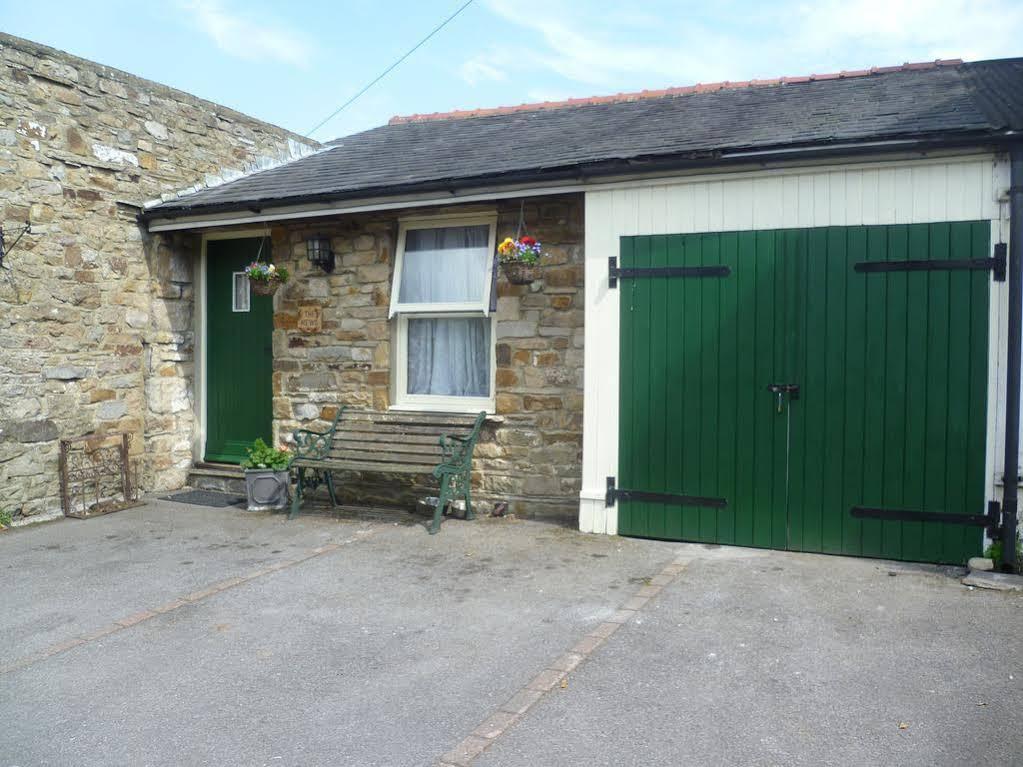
[206,498]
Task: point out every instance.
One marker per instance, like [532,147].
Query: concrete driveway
[172,634]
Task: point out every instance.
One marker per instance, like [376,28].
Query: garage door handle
[780,390]
[792,389]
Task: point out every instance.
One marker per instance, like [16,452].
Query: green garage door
[779,391]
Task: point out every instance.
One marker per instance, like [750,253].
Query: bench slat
[344,447]
[392,428]
[378,466]
[409,418]
[342,453]
[401,467]
[417,466]
[368,436]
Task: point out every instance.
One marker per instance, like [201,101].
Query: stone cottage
[361,350]
[96,315]
[791,300]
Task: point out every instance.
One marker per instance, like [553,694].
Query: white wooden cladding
[924,191]
[963,188]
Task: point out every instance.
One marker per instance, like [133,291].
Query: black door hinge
[615,494]
[995,264]
[991,520]
[1000,259]
[996,520]
[614,272]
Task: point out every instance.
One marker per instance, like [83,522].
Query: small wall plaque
[310,319]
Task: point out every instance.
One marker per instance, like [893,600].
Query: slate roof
[940,100]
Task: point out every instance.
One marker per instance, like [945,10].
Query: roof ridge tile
[683,90]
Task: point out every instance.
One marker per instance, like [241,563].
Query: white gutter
[355,206]
[484,194]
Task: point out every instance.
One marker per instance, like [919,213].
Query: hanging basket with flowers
[520,259]
[264,279]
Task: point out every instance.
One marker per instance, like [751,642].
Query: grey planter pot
[267,489]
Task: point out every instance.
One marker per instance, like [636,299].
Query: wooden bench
[390,443]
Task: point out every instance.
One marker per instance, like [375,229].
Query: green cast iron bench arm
[315,445]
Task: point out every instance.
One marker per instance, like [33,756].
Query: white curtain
[449,356]
[445,265]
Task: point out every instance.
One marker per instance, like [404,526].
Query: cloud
[607,45]
[481,69]
[247,37]
[934,28]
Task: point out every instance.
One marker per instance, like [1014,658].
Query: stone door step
[997,581]
[219,477]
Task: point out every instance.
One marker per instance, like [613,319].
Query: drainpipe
[1010,497]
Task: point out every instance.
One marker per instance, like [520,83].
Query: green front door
[239,358]
[889,416]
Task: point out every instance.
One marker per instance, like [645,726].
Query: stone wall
[532,456]
[95,316]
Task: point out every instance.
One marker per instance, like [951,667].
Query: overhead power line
[387,71]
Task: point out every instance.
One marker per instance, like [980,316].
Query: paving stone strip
[512,710]
[176,604]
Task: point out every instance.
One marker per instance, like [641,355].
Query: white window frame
[438,402]
[401,313]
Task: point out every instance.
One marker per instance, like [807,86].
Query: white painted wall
[967,188]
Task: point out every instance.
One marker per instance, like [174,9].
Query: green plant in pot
[267,476]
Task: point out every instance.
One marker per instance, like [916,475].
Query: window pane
[240,299]
[445,265]
[449,356]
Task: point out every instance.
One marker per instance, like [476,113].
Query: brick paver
[134,619]
[556,674]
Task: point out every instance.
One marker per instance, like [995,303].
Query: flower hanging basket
[520,259]
[264,287]
[519,273]
[264,278]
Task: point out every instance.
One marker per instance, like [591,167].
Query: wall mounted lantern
[317,250]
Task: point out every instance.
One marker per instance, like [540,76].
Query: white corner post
[600,366]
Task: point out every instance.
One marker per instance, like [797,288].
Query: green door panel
[239,358]
[892,407]
[695,414]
